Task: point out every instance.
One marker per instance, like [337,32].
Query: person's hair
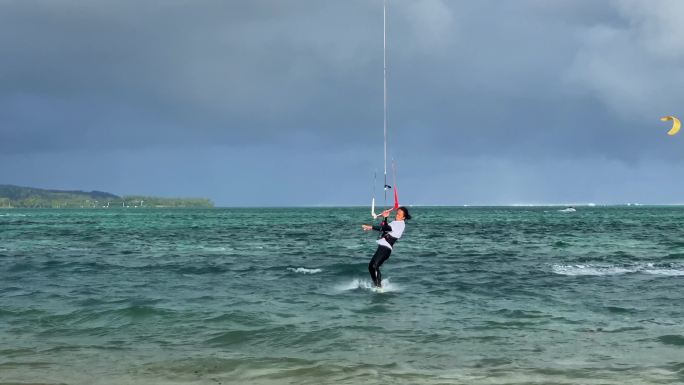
[406,213]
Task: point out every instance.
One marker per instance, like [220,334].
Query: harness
[390,239]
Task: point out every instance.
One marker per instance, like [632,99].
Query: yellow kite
[676,124]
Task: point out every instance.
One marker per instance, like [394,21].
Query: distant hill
[18,193]
[30,197]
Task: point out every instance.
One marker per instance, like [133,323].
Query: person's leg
[380,256]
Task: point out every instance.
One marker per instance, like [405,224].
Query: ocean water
[283,296]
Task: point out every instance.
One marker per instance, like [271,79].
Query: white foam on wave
[304,270]
[668,272]
[366,284]
[213,248]
[603,270]
[590,270]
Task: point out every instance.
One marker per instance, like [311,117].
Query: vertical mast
[384,62]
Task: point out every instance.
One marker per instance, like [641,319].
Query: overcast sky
[272,102]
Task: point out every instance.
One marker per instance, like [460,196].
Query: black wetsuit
[381,254]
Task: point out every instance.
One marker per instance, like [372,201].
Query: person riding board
[389,233]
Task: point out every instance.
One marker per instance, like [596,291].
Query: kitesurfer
[389,233]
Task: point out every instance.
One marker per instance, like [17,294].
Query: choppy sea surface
[282,296]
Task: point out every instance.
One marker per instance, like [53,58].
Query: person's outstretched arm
[383,225]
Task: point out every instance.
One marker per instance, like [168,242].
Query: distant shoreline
[35,198]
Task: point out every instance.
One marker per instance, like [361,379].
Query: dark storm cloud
[216,71]
[526,80]
[513,84]
[474,76]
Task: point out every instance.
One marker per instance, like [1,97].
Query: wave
[347,270]
[671,339]
[516,313]
[620,310]
[590,270]
[20,266]
[197,270]
[269,336]
[668,272]
[215,249]
[366,284]
[606,270]
[616,330]
[304,270]
[143,311]
[110,318]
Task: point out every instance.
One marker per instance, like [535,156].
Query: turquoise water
[282,296]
